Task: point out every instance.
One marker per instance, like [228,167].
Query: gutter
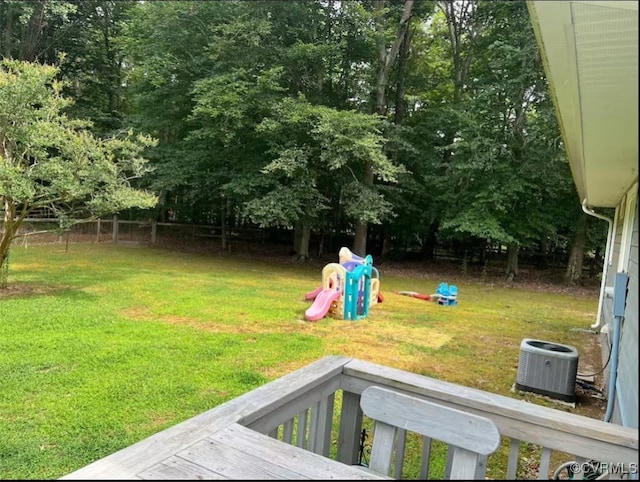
[607,257]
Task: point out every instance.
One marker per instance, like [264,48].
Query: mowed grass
[102,345]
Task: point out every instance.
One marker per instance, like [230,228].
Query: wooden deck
[236,452]
[285,429]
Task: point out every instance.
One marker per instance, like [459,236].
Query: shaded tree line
[415,123]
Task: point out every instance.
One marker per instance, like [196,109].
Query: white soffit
[590,51]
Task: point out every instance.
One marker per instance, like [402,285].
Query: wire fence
[115,230]
[206,238]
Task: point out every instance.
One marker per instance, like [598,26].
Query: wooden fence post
[114,235]
[154,229]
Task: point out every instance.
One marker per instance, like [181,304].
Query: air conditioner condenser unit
[548,368]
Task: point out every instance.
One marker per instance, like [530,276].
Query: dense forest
[404,125]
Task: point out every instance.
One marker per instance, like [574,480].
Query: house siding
[626,406]
[626,393]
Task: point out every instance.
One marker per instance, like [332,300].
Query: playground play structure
[349,288]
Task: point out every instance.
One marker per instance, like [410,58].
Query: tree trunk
[112,76]
[8,31]
[386,58]
[320,251]
[224,244]
[9,230]
[31,40]
[402,68]
[360,240]
[303,236]
[543,248]
[385,61]
[512,261]
[594,268]
[297,237]
[573,275]
[386,245]
[462,27]
[4,269]
[430,242]
[399,114]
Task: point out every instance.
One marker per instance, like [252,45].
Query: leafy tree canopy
[52,163]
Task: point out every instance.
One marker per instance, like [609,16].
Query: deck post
[350,429]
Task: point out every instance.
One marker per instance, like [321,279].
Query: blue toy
[447,294]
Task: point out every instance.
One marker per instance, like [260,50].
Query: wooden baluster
[401,443]
[301,436]
[287,431]
[512,464]
[545,459]
[426,458]
[447,469]
[321,425]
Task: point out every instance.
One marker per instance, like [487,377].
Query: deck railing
[317,407]
[324,416]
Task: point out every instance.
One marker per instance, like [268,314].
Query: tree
[84,30]
[451,44]
[316,150]
[573,273]
[200,76]
[31,29]
[387,56]
[94,62]
[53,163]
[507,166]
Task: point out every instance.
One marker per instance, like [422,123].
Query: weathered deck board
[303,462]
[237,452]
[176,468]
[128,462]
[235,460]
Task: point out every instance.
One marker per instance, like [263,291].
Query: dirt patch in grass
[27,289]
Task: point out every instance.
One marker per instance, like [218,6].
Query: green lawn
[103,345]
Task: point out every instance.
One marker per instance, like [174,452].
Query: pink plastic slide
[321,305]
[311,295]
